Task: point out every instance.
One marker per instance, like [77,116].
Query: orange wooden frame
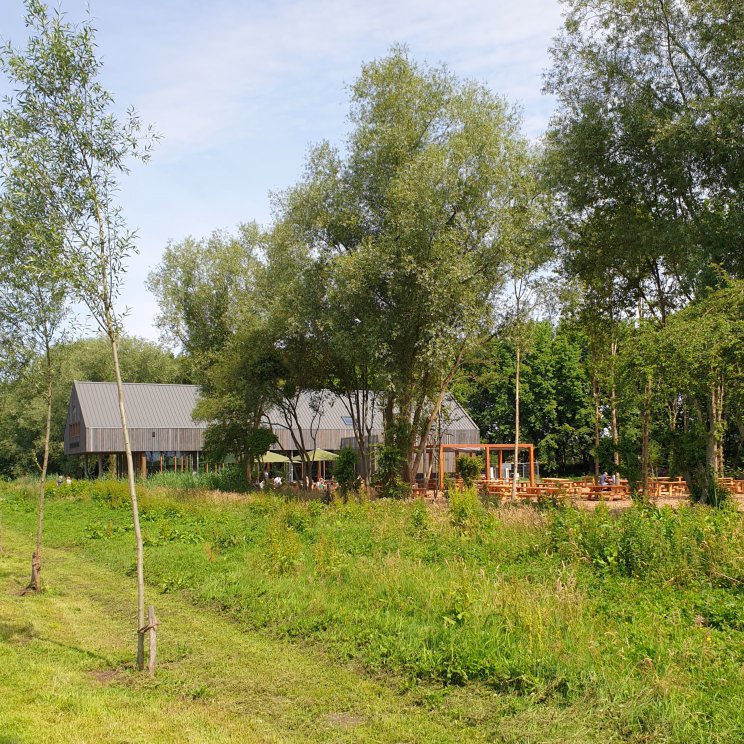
[500,448]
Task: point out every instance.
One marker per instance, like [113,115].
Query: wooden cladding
[142,440]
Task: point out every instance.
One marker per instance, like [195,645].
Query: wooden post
[153,630]
[100,465]
[440,484]
[488,463]
[143,465]
[161,462]
[501,463]
[532,464]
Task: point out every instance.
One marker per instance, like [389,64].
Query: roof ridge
[158,384]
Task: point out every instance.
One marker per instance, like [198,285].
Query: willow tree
[409,221]
[75,149]
[34,299]
[703,357]
[646,145]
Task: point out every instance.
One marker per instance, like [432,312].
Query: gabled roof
[147,405]
[162,406]
[333,413]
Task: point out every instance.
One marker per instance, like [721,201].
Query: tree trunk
[444,387]
[646,424]
[595,396]
[135,509]
[715,429]
[613,407]
[515,473]
[36,583]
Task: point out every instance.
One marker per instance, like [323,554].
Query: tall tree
[703,360]
[33,294]
[646,151]
[75,148]
[205,291]
[410,223]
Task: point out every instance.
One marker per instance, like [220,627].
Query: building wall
[75,431]
[142,440]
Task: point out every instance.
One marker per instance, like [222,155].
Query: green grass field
[379,622]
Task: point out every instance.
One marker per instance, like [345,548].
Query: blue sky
[241,89]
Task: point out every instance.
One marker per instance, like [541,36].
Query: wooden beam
[440,483]
[532,464]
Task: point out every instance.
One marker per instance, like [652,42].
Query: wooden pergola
[488,448]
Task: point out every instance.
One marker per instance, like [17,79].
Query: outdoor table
[612,491]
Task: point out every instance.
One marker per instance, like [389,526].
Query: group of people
[310,484]
[276,481]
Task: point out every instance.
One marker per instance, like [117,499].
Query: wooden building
[325,423]
[162,431]
[164,435]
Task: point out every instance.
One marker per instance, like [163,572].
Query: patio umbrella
[273,457]
[317,455]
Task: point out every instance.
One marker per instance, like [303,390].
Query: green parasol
[317,455]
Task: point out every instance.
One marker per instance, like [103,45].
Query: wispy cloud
[240,88]
[221,72]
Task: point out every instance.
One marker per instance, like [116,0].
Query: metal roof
[162,406]
[147,405]
[332,411]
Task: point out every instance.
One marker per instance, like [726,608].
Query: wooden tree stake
[153,628]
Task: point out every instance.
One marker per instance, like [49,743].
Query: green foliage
[465,507]
[647,94]
[230,478]
[344,469]
[203,288]
[555,402]
[685,545]
[469,468]
[556,609]
[389,466]
[397,230]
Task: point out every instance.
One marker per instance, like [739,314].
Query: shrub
[465,507]
[680,545]
[469,468]
[344,469]
[389,478]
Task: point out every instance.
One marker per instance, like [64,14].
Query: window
[348,421]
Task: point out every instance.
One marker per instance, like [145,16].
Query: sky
[241,89]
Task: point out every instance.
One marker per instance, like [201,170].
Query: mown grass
[623,627]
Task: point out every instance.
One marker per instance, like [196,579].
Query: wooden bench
[609,493]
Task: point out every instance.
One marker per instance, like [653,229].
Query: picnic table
[609,492]
[734,485]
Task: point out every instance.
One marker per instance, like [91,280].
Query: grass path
[66,676]
[65,663]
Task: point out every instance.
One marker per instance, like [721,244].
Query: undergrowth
[637,614]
